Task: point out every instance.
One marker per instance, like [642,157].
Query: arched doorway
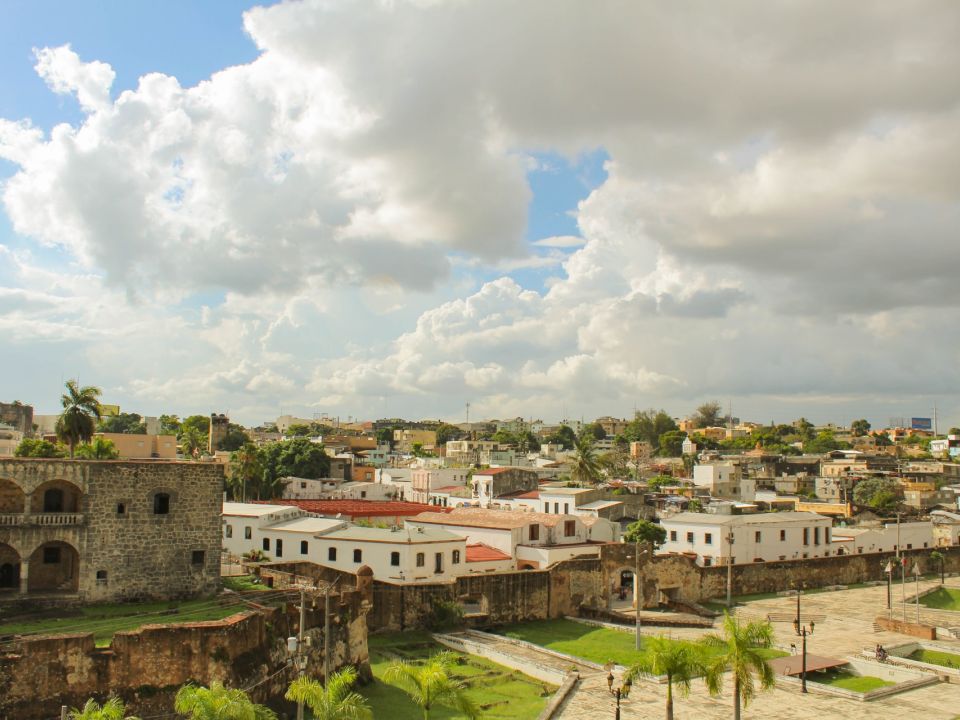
[9,568]
[54,567]
[55,496]
[622,589]
[12,499]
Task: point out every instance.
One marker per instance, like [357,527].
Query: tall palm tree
[586,468]
[246,470]
[430,684]
[192,441]
[219,703]
[680,661]
[81,411]
[112,709]
[736,649]
[333,702]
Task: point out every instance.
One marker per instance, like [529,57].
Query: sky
[549,209]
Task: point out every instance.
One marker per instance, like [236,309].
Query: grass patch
[598,644]
[499,691]
[848,681]
[942,599]
[105,620]
[936,657]
[243,583]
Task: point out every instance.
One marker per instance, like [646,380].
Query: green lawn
[598,644]
[848,681]
[936,657]
[105,620]
[243,583]
[499,691]
[942,599]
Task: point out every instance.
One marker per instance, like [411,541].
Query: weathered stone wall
[147,666]
[926,632]
[108,518]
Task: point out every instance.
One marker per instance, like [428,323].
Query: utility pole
[730,568]
[301,665]
[326,636]
[637,593]
[916,576]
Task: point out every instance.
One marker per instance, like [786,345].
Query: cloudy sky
[545,208]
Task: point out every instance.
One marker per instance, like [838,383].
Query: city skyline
[244,209]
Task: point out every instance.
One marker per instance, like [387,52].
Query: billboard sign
[921,424]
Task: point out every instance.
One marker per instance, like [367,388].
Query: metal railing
[45,519]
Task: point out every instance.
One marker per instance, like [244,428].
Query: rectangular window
[673,535]
[756,536]
[707,561]
[438,562]
[689,537]
[161,504]
[569,528]
[197,557]
[826,536]
[121,509]
[304,547]
[708,538]
[395,559]
[228,531]
[455,558]
[816,536]
[806,536]
[421,560]
[247,533]
[566,508]
[357,555]
[51,555]
[332,554]
[783,535]
[279,547]
[101,577]
[534,532]
[266,543]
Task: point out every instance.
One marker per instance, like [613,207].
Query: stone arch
[12,498]
[623,587]
[56,496]
[9,568]
[54,567]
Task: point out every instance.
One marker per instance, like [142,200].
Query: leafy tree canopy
[125,423]
[36,448]
[708,414]
[876,493]
[859,428]
[98,449]
[198,423]
[649,425]
[671,443]
[297,457]
[169,425]
[564,436]
[645,531]
[299,430]
[234,439]
[446,432]
[595,430]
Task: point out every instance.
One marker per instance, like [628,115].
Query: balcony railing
[44,519]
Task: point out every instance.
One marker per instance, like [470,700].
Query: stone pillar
[24,575]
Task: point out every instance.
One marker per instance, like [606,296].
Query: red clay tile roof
[479,552]
[497,471]
[359,508]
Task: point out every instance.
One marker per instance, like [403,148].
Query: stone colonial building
[109,530]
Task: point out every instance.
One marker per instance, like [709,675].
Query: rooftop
[599,504]
[395,536]
[479,552]
[773,518]
[362,508]
[251,509]
[564,490]
[311,525]
[497,519]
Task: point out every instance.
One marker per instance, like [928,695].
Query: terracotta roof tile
[360,508]
[479,552]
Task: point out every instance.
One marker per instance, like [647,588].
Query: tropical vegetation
[218,702]
[737,649]
[81,411]
[112,709]
[336,701]
[679,661]
[431,684]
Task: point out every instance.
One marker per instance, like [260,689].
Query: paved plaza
[848,627]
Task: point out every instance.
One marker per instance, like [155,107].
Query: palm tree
[112,709]
[81,411]
[246,469]
[679,661]
[430,684]
[192,442]
[98,449]
[586,468]
[218,703]
[333,702]
[736,649]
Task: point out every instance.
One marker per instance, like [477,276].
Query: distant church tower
[218,431]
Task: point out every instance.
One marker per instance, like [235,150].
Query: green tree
[37,448]
[824,442]
[234,439]
[708,414]
[336,701]
[938,557]
[98,449]
[169,425]
[446,432]
[804,428]
[564,436]
[124,423]
[299,430]
[649,425]
[200,423]
[671,443]
[859,428]
[246,471]
[736,649]
[192,442]
[81,411]
[586,469]
[644,531]
[218,703]
[680,661]
[595,430]
[430,684]
[112,709]
[877,493]
[294,458]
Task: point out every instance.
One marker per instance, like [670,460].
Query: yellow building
[143,447]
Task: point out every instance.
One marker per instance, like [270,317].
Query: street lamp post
[621,691]
[916,577]
[903,585]
[802,630]
[889,571]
